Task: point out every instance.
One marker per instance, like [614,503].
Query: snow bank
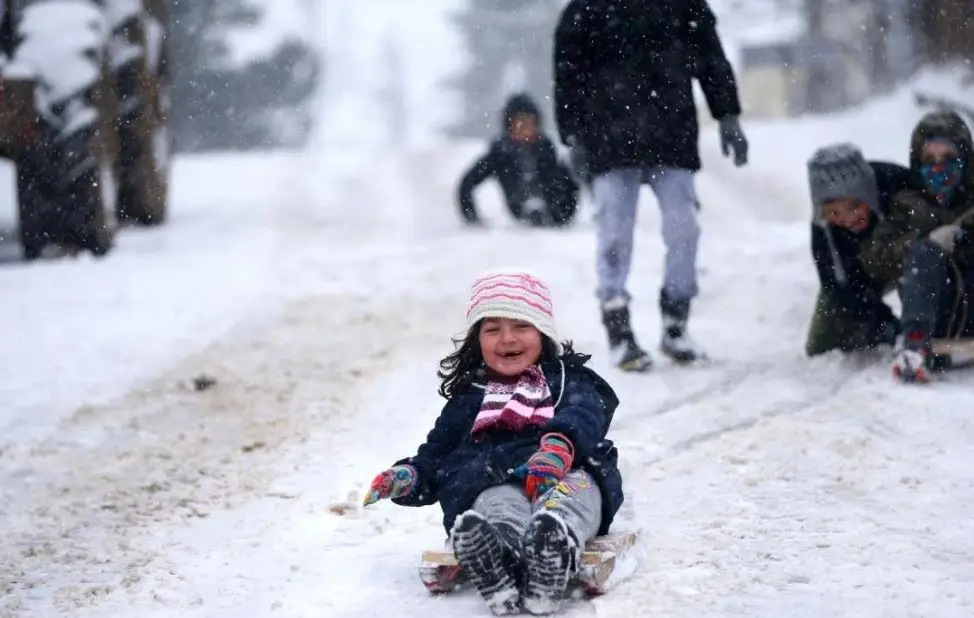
[93,327]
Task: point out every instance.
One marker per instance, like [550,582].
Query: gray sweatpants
[616,194]
[577,500]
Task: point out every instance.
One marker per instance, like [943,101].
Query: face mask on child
[943,177]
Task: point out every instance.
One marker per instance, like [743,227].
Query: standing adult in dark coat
[624,73]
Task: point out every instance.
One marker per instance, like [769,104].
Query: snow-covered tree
[226,97]
[508,44]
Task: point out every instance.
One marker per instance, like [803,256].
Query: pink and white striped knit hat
[515,294]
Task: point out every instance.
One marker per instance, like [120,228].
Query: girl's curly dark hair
[466,364]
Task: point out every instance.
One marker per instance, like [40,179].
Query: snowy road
[763,484]
[320,291]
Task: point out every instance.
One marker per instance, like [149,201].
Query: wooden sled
[950,353]
[441,573]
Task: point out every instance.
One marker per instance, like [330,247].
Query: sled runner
[953,352]
[441,573]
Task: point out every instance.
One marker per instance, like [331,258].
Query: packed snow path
[762,484]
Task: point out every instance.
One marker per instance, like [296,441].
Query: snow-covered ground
[320,289]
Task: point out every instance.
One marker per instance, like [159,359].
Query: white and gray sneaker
[677,344]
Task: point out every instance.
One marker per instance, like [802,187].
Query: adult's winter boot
[479,548]
[626,353]
[552,558]
[675,342]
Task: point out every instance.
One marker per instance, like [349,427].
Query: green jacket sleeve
[910,218]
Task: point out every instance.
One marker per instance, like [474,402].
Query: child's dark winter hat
[841,171]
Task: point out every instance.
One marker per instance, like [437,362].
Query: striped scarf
[515,403]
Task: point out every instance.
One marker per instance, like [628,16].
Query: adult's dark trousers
[937,295]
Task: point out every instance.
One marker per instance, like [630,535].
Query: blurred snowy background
[312,262]
[245,73]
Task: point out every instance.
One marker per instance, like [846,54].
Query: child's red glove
[395,482]
[549,465]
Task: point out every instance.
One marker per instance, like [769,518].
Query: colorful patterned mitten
[549,465]
[395,482]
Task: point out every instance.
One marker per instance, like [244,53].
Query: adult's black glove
[732,137]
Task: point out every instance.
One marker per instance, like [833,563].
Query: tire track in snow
[700,407]
[723,384]
[818,397]
[723,407]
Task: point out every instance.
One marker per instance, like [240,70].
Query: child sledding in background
[538,188]
[518,458]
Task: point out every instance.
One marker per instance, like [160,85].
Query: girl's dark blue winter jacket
[454,469]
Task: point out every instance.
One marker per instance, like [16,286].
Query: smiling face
[509,346]
[848,213]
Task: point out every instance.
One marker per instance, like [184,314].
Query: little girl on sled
[518,458]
